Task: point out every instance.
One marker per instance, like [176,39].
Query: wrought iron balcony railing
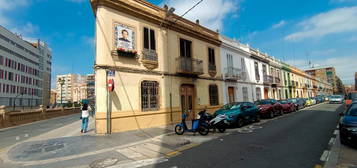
[189,66]
[211,67]
[268,79]
[149,55]
[277,80]
[232,73]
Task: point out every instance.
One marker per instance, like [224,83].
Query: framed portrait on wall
[124,37]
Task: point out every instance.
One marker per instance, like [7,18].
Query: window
[185,48]
[256,67]
[149,95]
[264,70]
[258,93]
[149,39]
[213,95]
[211,59]
[245,94]
[242,60]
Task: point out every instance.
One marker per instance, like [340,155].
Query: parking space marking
[336,132]
[325,155]
[332,141]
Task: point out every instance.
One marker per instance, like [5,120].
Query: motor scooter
[214,122]
[198,125]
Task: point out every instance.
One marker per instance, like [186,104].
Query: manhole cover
[104,163]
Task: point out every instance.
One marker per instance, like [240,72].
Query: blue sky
[323,32]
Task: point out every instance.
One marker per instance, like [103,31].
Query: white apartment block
[25,71]
[74,88]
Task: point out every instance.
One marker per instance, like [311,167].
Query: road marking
[331,142]
[26,135]
[338,126]
[325,155]
[140,163]
[336,132]
[318,166]
[17,138]
[180,149]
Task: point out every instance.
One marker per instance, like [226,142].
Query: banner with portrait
[124,37]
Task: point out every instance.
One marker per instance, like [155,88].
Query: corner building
[162,66]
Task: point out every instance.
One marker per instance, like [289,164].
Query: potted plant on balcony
[127,53]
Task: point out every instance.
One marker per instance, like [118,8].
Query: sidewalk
[67,147]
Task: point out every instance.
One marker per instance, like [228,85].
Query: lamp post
[61,81]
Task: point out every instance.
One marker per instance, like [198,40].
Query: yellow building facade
[161,66]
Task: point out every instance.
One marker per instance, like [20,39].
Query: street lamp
[61,81]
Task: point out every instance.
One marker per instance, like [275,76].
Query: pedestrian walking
[85,117]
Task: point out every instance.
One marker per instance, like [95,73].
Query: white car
[336,99]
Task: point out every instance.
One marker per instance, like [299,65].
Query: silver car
[336,99]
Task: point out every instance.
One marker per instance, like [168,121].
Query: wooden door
[187,98]
[266,93]
[231,97]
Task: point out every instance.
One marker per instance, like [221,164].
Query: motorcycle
[217,122]
[198,125]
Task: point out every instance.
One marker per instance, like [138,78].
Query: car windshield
[336,96]
[352,111]
[262,102]
[283,102]
[352,96]
[231,106]
[292,100]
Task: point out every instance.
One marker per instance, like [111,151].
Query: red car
[269,108]
[287,106]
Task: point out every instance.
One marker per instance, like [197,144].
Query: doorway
[266,93]
[231,96]
[187,97]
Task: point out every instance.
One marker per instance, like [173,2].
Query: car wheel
[240,122]
[343,141]
[271,114]
[257,118]
[221,130]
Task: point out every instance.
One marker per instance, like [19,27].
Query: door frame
[193,113]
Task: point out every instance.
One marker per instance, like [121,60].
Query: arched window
[213,95]
[149,95]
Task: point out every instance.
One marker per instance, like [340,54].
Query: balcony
[234,74]
[149,59]
[212,70]
[189,66]
[268,79]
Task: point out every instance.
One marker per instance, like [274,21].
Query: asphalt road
[293,141]
[13,135]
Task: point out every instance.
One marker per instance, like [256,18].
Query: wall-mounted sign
[124,37]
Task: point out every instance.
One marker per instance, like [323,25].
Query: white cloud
[339,20]
[27,29]
[345,66]
[8,5]
[323,52]
[278,25]
[342,1]
[211,13]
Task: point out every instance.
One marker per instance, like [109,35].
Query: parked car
[348,125]
[351,97]
[336,99]
[321,98]
[240,113]
[309,102]
[269,108]
[287,106]
[317,100]
[299,103]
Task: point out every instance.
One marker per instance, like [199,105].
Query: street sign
[111,73]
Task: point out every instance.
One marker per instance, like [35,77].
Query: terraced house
[162,65]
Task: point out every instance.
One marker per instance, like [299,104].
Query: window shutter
[146,38]
[152,40]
